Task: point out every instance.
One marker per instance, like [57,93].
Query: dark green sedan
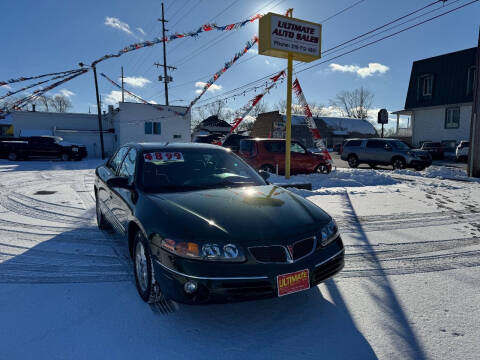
[203,226]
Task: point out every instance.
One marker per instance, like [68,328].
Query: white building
[439,98]
[131,122]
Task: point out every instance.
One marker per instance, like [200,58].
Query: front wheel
[419,168]
[323,169]
[143,269]
[101,221]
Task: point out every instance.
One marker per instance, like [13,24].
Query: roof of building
[339,126]
[450,76]
[214,121]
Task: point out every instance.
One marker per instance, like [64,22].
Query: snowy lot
[409,290]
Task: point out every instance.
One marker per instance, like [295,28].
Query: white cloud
[117,24]
[363,72]
[115,96]
[212,88]
[136,81]
[8,87]
[141,31]
[66,93]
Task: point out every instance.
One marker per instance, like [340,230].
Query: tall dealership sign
[292,39]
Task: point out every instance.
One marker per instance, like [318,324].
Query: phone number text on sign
[163,156]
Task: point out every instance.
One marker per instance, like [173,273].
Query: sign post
[383,118]
[291,39]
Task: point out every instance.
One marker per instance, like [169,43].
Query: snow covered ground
[409,289]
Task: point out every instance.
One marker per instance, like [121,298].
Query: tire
[102,223]
[12,156]
[352,161]
[419,168]
[268,168]
[322,169]
[65,157]
[372,166]
[398,163]
[143,270]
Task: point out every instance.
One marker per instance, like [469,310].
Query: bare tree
[44,102]
[281,106]
[60,103]
[317,109]
[355,103]
[260,108]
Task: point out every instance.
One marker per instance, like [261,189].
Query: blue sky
[47,36]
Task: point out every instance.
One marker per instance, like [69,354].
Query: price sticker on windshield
[163,156]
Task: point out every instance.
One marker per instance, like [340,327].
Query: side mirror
[118,182]
[264,174]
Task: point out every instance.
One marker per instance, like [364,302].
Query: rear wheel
[12,156]
[352,161]
[148,290]
[398,163]
[419,168]
[268,168]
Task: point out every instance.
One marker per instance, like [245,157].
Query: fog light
[190,287]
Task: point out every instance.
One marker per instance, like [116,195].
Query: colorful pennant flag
[227,65]
[11,81]
[203,28]
[251,104]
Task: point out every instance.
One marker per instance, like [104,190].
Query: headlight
[328,233]
[207,251]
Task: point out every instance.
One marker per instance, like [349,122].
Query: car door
[376,153]
[104,193]
[123,199]
[274,154]
[301,161]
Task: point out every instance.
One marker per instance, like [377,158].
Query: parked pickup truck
[41,147]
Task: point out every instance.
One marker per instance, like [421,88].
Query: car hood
[249,216]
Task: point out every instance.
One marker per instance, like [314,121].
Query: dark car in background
[41,147]
[232,141]
[435,149]
[202,226]
[269,155]
[381,151]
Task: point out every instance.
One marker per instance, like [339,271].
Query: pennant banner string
[219,73]
[319,143]
[158,107]
[11,81]
[251,104]
[10,93]
[39,92]
[203,28]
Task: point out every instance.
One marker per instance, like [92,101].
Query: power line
[341,11]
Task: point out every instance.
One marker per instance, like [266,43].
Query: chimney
[33,107]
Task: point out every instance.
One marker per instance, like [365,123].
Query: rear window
[353,143]
[377,144]
[275,146]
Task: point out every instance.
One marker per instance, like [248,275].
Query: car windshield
[401,145]
[194,169]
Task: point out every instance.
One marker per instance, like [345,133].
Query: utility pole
[166,78]
[474,149]
[123,92]
[99,112]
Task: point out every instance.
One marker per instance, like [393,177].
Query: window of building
[426,85]
[452,118]
[177,136]
[154,128]
[471,79]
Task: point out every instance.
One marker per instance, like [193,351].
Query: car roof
[146,146]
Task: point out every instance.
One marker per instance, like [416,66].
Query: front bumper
[222,282]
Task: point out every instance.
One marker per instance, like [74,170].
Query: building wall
[72,127]
[429,125]
[129,122]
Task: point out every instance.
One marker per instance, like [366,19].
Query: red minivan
[269,154]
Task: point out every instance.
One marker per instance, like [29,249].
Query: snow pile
[444,172]
[339,178]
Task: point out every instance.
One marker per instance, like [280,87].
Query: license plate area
[293,282]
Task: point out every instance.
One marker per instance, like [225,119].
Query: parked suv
[462,150]
[384,152]
[267,154]
[435,149]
